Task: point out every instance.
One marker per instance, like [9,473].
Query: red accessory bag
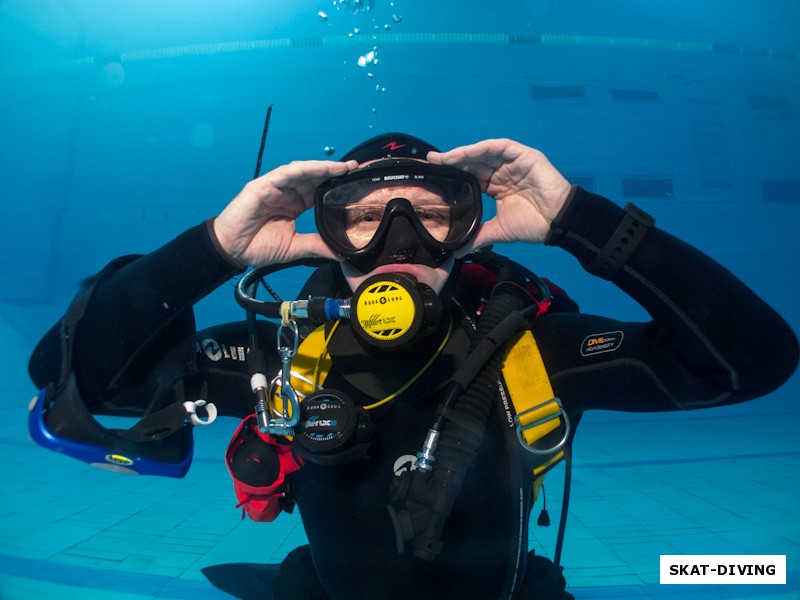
[259,464]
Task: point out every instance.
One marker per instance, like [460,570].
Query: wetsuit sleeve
[712,340]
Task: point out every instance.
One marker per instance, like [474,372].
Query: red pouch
[250,448]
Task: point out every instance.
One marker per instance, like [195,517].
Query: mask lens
[351,211]
[361,223]
[435,218]
[362,219]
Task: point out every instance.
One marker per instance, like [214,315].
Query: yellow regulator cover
[386,310]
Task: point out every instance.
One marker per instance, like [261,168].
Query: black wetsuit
[711,342]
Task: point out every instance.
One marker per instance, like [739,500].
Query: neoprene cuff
[600,234]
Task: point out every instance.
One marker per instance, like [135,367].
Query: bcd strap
[534,410]
[537,413]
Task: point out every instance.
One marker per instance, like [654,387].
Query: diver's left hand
[528,189]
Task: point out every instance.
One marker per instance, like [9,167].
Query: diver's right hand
[258,226]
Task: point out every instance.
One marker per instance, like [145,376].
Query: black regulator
[333,429]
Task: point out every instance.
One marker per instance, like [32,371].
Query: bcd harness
[531,410]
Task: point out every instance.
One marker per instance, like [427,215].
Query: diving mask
[398,211]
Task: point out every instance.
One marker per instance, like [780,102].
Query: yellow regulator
[392,310]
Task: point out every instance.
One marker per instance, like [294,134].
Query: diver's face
[362,220]
[363,217]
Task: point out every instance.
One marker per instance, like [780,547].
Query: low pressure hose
[422,502]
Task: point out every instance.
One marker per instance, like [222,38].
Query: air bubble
[357,6]
[368,58]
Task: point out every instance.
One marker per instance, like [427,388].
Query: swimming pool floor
[716,482]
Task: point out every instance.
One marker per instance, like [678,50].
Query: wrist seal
[623,242]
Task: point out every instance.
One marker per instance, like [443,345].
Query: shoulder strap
[541,424]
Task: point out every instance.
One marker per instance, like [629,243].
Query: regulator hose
[421,502]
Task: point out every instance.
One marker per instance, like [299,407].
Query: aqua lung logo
[599,343]
[216,351]
[382,289]
[382,300]
[327,404]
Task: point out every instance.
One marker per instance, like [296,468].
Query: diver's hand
[528,189]
[258,226]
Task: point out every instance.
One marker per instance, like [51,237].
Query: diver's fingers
[274,248]
[302,170]
[274,199]
[490,154]
[285,192]
[310,245]
[302,177]
[488,233]
[501,165]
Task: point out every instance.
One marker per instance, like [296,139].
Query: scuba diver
[413,397]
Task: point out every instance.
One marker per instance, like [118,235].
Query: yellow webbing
[529,387]
[524,374]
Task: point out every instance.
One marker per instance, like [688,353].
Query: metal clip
[555,415]
[287,394]
[191,409]
[275,386]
